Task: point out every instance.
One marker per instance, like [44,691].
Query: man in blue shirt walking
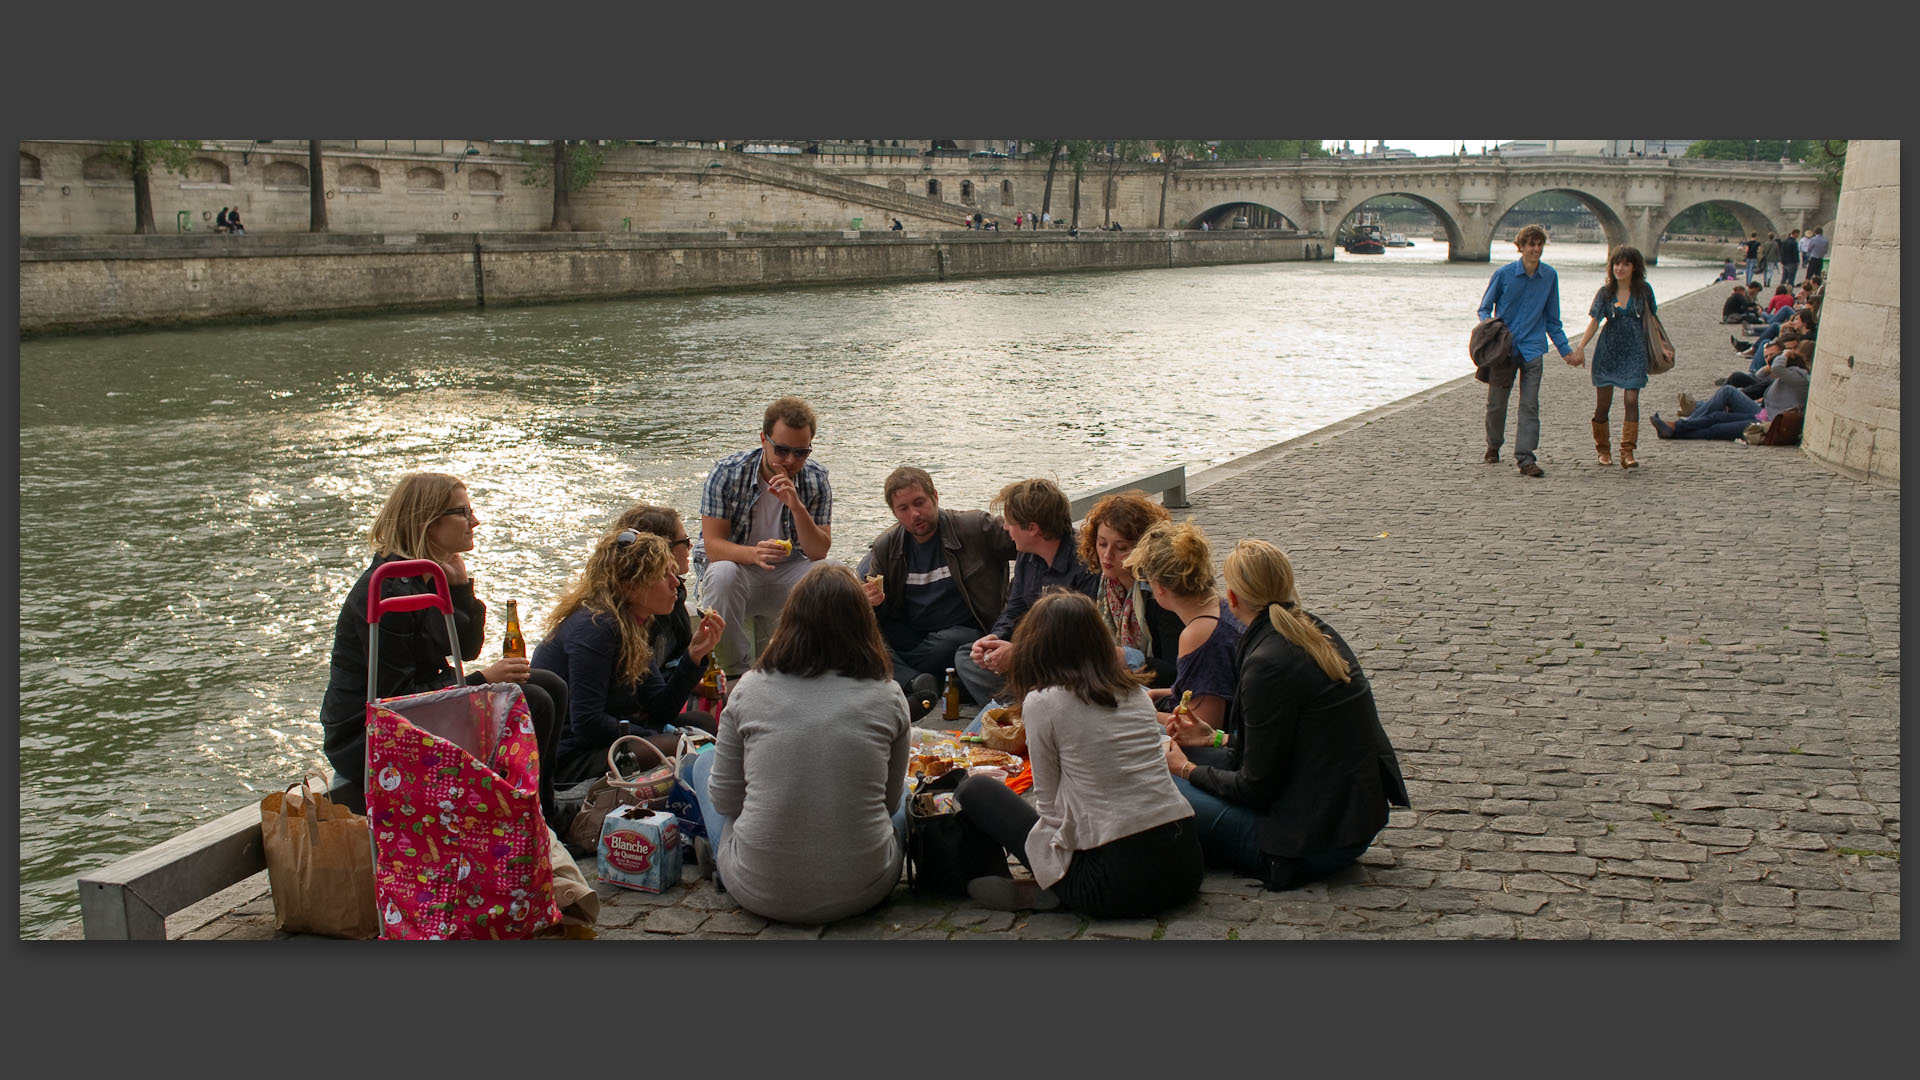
[1525,294]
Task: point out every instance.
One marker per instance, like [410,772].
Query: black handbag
[945,849]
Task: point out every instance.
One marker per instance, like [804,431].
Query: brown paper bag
[1001,729]
[319,863]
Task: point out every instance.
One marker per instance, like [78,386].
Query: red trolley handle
[377,606]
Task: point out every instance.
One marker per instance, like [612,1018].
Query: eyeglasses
[783,450]
[685,542]
[464,511]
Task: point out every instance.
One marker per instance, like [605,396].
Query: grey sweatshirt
[810,771]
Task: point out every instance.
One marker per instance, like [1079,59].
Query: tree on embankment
[575,163]
[138,156]
[316,189]
[1119,152]
[1053,148]
[1169,149]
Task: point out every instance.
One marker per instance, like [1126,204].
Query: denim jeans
[1229,834]
[1752,265]
[716,822]
[930,655]
[1526,436]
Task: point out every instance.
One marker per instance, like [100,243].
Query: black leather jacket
[1307,753]
[978,551]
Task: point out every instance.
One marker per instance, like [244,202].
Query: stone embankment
[92,283]
[1658,703]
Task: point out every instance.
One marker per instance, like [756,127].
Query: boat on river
[1398,240]
[1366,240]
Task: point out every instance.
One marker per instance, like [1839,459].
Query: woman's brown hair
[1629,254]
[827,628]
[1062,641]
[1129,513]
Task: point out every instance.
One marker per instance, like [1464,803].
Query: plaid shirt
[734,484]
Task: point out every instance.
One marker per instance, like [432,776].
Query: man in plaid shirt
[765,518]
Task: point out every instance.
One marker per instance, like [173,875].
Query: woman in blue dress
[1177,565]
[1623,304]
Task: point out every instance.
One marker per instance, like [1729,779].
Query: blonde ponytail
[1260,573]
[1294,625]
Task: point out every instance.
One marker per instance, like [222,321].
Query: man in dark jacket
[937,579]
[1040,520]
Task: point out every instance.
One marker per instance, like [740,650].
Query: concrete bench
[1169,484]
[131,899]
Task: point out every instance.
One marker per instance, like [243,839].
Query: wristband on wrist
[1219,738]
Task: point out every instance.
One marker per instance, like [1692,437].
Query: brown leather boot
[1629,438]
[1600,441]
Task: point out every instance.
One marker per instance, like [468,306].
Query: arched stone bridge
[1633,198]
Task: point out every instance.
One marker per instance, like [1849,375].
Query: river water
[193,503]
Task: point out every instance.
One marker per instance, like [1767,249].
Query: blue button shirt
[1530,306]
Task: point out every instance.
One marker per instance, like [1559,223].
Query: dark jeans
[914,655]
[546,695]
[1230,834]
[1132,877]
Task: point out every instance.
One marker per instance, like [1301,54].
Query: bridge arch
[1456,235]
[1752,219]
[1258,215]
[1617,228]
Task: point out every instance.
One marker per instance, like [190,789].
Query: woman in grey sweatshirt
[804,789]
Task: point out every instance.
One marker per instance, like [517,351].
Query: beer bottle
[953,696]
[513,645]
[625,761]
[710,681]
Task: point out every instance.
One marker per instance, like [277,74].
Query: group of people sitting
[1775,381]
[1279,768]
[228,221]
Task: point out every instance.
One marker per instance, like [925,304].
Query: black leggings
[1132,877]
[546,695]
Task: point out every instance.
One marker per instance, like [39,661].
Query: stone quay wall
[97,283]
[1853,407]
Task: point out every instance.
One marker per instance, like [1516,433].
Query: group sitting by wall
[1174,718]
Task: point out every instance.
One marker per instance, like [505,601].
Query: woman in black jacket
[427,516]
[1297,784]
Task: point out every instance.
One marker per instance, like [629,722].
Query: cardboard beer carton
[640,849]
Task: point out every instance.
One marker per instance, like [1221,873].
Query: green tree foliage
[575,163]
[1753,149]
[1830,156]
[1270,149]
[138,157]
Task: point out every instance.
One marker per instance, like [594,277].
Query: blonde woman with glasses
[1296,783]
[428,515]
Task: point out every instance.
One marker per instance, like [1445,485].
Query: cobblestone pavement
[1657,703]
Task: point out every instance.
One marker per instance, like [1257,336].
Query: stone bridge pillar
[1476,220]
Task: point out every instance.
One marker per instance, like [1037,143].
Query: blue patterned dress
[1620,355]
